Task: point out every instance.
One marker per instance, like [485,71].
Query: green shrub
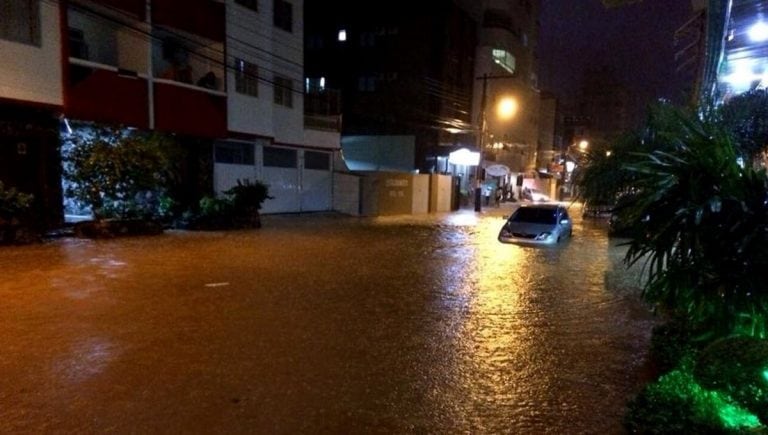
[737,366]
[14,205]
[119,173]
[248,196]
[671,344]
[676,404]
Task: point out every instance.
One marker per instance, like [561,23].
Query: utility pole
[481,138]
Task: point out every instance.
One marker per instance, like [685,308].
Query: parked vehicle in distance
[537,224]
[535,195]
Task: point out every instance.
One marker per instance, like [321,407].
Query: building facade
[507,69]
[406,76]
[225,78]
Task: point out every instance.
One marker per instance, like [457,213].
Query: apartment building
[507,55]
[226,78]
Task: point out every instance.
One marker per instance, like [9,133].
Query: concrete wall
[36,75]
[379,153]
[391,193]
[441,192]
[346,193]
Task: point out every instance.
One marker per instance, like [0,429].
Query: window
[250,4]
[283,91]
[279,157]
[20,21]
[314,84]
[504,59]
[366,83]
[342,35]
[283,15]
[367,39]
[317,160]
[315,42]
[234,153]
[246,78]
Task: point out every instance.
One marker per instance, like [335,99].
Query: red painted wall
[187,111]
[104,96]
[200,17]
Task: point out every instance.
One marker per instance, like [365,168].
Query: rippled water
[321,325]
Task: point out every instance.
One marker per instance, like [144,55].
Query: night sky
[636,40]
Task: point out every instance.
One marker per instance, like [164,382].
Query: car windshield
[535,215]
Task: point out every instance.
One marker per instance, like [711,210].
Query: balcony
[188,59]
[322,110]
[108,63]
[189,110]
[103,94]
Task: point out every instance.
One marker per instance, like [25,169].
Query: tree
[746,117]
[701,225]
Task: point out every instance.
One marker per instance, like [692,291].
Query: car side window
[564,215]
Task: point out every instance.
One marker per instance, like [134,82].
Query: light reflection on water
[325,324]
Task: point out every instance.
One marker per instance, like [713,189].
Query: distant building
[507,54]
[404,69]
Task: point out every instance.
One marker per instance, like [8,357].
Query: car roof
[543,206]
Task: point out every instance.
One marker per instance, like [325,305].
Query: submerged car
[539,224]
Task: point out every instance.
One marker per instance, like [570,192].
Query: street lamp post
[481,138]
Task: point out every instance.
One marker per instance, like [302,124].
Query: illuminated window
[20,21]
[246,78]
[315,84]
[342,35]
[283,91]
[504,59]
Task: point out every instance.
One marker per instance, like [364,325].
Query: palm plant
[701,223]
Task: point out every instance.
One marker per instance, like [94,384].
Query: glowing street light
[506,108]
[583,145]
[758,32]
[608,153]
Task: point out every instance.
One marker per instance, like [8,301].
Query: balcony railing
[322,110]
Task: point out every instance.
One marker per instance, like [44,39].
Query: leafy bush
[14,205]
[238,208]
[737,366]
[117,172]
[677,404]
[248,196]
[671,344]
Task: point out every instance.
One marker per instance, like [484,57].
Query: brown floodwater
[321,324]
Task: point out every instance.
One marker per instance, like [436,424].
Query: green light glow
[765,374]
[715,404]
[734,416]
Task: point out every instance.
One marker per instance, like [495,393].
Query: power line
[148,36]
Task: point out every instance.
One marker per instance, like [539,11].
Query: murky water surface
[321,325]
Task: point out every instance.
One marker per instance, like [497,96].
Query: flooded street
[321,324]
